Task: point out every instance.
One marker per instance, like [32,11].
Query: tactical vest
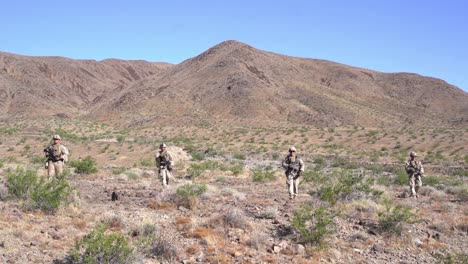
[294,164]
[164,159]
[55,152]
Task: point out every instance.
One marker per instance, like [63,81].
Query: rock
[183,209]
[276,249]
[417,242]
[300,249]
[378,248]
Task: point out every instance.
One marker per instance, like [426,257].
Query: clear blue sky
[425,37]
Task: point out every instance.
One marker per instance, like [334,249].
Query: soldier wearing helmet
[57,155]
[294,168]
[164,164]
[415,171]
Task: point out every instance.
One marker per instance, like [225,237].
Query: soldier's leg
[418,184]
[50,170]
[291,187]
[164,176]
[296,186]
[59,168]
[412,185]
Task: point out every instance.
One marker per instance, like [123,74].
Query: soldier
[415,171]
[56,155]
[294,167]
[164,164]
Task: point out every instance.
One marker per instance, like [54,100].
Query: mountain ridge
[233,82]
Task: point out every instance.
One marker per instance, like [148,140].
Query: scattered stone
[2,244]
[276,249]
[183,209]
[378,248]
[300,249]
[417,242]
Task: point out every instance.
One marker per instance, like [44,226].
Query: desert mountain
[34,86]
[232,83]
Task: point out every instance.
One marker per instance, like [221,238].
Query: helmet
[413,154]
[162,145]
[292,149]
[56,137]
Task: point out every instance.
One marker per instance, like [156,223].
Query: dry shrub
[220,257]
[160,205]
[257,240]
[193,249]
[115,222]
[201,232]
[236,218]
[208,236]
[183,220]
[79,224]
[183,223]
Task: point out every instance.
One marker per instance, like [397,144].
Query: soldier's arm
[301,164]
[285,164]
[169,156]
[422,168]
[156,159]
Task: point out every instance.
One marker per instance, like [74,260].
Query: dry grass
[160,205]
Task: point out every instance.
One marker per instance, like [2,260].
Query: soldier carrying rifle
[294,167]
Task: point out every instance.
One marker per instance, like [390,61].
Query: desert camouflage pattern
[164,164]
[415,170]
[56,155]
[294,167]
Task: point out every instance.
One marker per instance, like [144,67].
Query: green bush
[191,190]
[461,192]
[49,195]
[392,219]
[147,162]
[347,186]
[447,258]
[401,177]
[21,182]
[197,169]
[101,247]
[118,170]
[85,166]
[259,175]
[37,191]
[314,224]
[189,194]
[2,163]
[239,156]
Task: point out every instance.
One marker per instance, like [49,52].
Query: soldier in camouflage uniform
[164,164]
[415,171]
[56,155]
[294,167]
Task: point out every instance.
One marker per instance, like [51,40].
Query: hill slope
[235,82]
[229,83]
[49,85]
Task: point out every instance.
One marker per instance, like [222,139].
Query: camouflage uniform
[415,171]
[56,154]
[294,167]
[164,164]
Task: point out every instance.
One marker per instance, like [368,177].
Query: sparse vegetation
[314,224]
[86,166]
[38,192]
[100,246]
[189,194]
[394,216]
[262,175]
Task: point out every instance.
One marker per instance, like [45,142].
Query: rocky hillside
[229,83]
[35,86]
